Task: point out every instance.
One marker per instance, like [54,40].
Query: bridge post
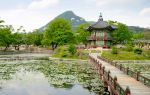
[108,75]
[103,69]
[127,92]
[127,70]
[115,80]
[137,75]
[99,68]
[120,66]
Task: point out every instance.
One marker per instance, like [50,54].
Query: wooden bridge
[117,81]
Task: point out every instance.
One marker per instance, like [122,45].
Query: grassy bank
[70,52]
[123,55]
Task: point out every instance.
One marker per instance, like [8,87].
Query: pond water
[49,78]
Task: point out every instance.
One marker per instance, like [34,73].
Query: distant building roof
[100,24]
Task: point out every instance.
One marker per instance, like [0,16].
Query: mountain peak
[71,17]
[69,12]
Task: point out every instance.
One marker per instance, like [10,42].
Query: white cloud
[27,18]
[145,11]
[113,3]
[42,4]
[31,17]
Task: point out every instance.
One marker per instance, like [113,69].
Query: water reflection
[46,78]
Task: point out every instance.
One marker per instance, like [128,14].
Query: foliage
[62,51]
[69,51]
[37,37]
[139,35]
[82,33]
[58,32]
[129,48]
[17,39]
[5,36]
[147,53]
[114,50]
[28,38]
[138,50]
[122,34]
[147,35]
[123,55]
[72,49]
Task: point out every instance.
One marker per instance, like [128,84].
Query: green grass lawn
[123,55]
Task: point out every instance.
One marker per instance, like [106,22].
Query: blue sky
[33,14]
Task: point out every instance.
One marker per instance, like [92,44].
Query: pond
[41,77]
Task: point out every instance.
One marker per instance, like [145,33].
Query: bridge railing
[114,83]
[135,74]
[144,80]
[117,89]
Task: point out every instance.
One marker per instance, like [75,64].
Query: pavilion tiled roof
[100,24]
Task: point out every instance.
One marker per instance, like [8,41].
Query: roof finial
[100,17]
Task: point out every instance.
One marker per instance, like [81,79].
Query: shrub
[147,54]
[138,50]
[72,49]
[129,48]
[61,51]
[114,50]
[66,51]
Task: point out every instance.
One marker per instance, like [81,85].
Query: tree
[35,37]
[17,40]
[138,35]
[1,21]
[6,36]
[121,35]
[57,33]
[28,37]
[147,35]
[82,33]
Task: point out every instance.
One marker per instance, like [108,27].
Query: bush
[61,51]
[138,50]
[129,48]
[67,51]
[114,50]
[72,49]
[146,53]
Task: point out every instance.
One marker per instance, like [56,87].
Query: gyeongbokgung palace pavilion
[100,34]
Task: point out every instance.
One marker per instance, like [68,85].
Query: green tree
[122,34]
[28,37]
[82,33]
[138,35]
[72,49]
[6,36]
[17,40]
[57,33]
[37,37]
[146,35]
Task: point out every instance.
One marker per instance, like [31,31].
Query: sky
[33,14]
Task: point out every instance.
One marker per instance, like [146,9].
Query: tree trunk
[6,47]
[54,46]
[18,47]
[85,45]
[15,47]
